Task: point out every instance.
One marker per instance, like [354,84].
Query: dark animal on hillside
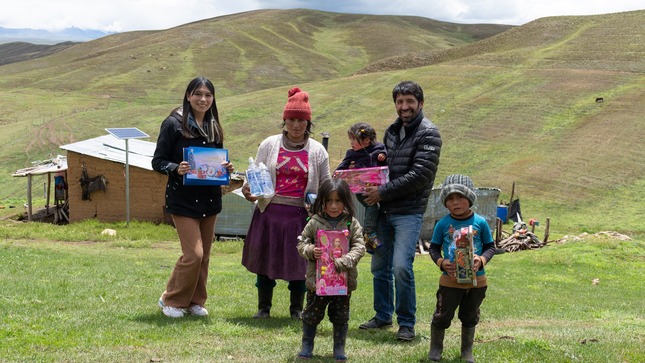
[599,99]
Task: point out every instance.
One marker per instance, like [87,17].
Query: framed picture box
[206,166]
[463,238]
[334,244]
[359,179]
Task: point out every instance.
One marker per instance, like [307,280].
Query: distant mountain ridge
[41,36]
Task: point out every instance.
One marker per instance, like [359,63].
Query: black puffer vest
[412,162]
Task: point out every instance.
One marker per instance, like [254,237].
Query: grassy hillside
[241,53]
[135,78]
[604,42]
[515,107]
[20,51]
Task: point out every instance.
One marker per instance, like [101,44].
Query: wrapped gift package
[206,166]
[359,179]
[463,238]
[334,244]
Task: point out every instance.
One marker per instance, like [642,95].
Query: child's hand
[381,157]
[449,267]
[477,263]
[317,252]
[338,265]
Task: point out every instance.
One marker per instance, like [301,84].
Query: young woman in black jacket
[193,208]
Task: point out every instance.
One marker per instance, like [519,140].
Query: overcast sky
[128,15]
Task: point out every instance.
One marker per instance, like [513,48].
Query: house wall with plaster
[147,191]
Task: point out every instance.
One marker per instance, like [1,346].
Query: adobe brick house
[105,155]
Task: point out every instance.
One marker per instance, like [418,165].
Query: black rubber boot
[340,336]
[436,343]
[308,335]
[265,296]
[467,339]
[296,299]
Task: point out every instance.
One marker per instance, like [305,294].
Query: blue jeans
[392,267]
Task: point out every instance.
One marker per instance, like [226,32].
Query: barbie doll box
[334,244]
[463,255]
[359,179]
[206,166]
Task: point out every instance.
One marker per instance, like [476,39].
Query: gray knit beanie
[460,184]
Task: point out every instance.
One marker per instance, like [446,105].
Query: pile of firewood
[520,239]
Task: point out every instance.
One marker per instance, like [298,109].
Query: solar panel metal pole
[127,184]
[126,134]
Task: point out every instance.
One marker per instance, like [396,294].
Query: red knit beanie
[297,106]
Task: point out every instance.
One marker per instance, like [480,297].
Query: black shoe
[374,323]
[405,333]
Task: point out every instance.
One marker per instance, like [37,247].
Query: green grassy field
[73,295]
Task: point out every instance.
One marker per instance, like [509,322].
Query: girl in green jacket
[333,212]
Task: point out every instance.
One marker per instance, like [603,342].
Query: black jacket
[412,163]
[188,201]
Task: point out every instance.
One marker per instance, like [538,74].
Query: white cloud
[127,15]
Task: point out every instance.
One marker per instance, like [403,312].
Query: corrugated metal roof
[55,165]
[108,147]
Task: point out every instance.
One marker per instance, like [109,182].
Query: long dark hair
[212,127]
[324,191]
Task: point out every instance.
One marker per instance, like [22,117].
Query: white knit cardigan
[318,164]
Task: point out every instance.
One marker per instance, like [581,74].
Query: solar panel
[125,133]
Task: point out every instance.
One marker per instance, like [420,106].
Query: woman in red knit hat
[298,165]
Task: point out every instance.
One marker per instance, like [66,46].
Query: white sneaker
[170,311]
[173,312]
[198,310]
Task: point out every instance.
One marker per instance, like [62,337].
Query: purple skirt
[270,244]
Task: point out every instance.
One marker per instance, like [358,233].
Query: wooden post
[29,197]
[546,230]
[512,193]
[49,182]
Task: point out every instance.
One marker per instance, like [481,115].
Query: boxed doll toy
[463,255]
[334,244]
[360,178]
[206,166]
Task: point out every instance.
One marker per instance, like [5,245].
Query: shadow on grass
[270,323]
[159,319]
[384,336]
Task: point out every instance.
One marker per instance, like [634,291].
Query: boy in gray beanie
[458,195]
[460,184]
